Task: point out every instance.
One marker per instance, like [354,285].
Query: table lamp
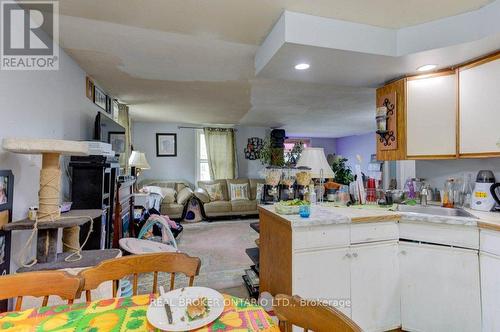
[315,159]
[139,162]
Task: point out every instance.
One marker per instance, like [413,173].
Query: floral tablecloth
[128,314]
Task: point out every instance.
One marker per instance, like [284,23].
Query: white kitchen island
[385,270]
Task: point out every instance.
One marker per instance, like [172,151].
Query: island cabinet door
[439,288]
[324,275]
[490,291]
[375,291]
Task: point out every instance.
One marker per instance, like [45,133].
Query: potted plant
[343,173]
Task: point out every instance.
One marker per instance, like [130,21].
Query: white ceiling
[249,22]
[193,61]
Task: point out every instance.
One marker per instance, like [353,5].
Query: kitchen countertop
[329,215]
[323,215]
[487,220]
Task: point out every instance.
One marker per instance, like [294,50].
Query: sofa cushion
[202,195]
[244,205]
[173,210]
[168,195]
[217,207]
[214,192]
[238,191]
[184,195]
[203,184]
[253,187]
[179,186]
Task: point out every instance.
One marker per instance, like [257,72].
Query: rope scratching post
[50,189]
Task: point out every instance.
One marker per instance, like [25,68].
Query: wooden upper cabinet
[396,150]
[431,116]
[479,108]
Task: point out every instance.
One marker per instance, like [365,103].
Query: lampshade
[138,159]
[315,159]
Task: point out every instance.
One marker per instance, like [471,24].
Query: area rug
[221,248]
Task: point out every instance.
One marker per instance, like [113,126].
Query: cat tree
[49,218]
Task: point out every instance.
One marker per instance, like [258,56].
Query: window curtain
[221,153]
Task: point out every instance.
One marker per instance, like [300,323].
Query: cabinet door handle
[355,255]
[403,252]
[348,255]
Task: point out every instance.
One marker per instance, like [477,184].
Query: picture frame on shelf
[166,145]
[118,141]
[109,104]
[100,98]
[89,88]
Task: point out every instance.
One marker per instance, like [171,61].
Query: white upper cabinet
[432,116]
[480,108]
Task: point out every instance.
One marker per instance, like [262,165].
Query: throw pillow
[259,191]
[168,195]
[239,191]
[215,192]
[184,195]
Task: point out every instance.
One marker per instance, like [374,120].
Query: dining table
[129,314]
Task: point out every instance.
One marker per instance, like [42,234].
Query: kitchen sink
[435,210]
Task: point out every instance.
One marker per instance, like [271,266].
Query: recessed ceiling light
[302,66]
[426,67]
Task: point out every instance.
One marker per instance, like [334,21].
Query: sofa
[176,195]
[224,206]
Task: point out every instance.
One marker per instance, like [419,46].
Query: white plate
[178,300]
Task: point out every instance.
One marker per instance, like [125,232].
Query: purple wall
[350,146]
[329,144]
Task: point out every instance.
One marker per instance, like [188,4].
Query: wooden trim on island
[275,262]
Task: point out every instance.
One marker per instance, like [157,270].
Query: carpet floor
[221,247]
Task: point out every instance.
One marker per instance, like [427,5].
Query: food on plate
[198,309]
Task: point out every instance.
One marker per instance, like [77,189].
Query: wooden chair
[311,316]
[38,284]
[118,268]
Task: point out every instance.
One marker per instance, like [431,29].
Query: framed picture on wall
[166,145]
[117,141]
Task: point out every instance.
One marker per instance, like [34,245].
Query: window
[290,155]
[203,169]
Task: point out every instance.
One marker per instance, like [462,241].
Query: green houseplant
[343,173]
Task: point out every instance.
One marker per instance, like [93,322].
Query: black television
[108,131]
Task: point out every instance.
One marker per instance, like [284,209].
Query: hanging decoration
[254,146]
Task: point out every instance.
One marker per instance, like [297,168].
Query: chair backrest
[118,268]
[38,284]
[311,316]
